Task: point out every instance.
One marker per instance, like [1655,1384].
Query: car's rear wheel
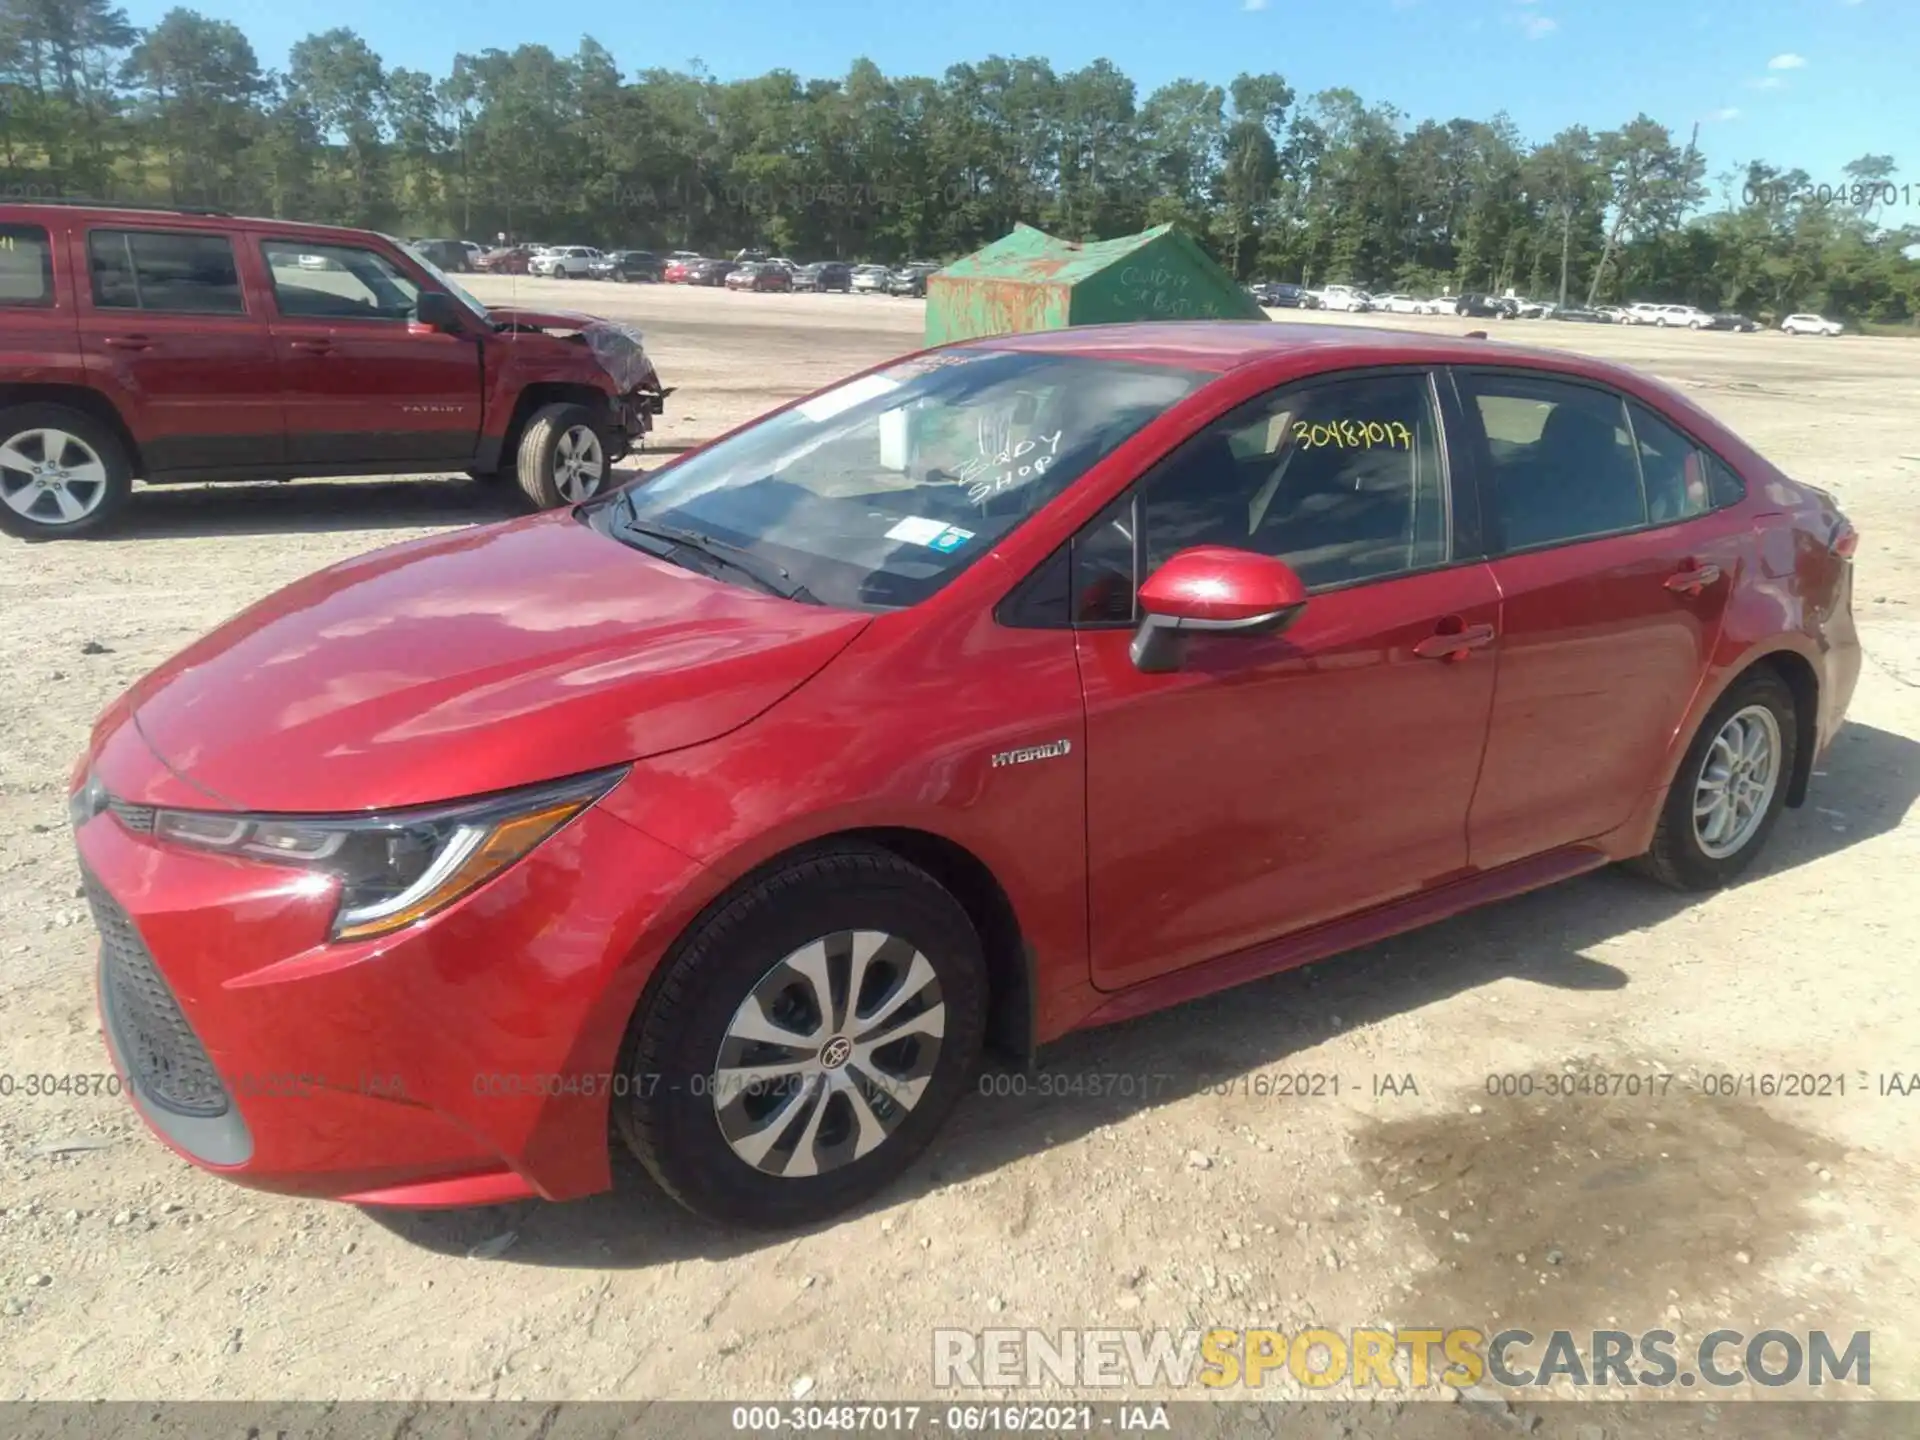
[63,474]
[1730,789]
[807,1040]
[562,458]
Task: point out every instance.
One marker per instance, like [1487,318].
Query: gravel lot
[124,1273]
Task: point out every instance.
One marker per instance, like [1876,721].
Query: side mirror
[435,313]
[1213,589]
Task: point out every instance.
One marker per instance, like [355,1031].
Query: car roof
[1222,345]
[159,217]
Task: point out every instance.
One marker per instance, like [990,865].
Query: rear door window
[26,265]
[1561,459]
[170,272]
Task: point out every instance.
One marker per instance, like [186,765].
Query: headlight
[402,866]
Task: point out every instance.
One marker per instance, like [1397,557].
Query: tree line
[570,149]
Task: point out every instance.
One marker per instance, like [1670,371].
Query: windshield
[876,493]
[452,286]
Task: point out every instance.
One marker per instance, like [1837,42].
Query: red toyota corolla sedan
[1007,689]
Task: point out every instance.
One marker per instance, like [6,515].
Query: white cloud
[1767,82]
[1254,4]
[1538,27]
[1788,61]
[1729,112]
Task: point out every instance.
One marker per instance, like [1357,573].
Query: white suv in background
[1810,325]
[1343,297]
[564,262]
[1400,305]
[1640,313]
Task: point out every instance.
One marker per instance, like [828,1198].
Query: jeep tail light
[1845,540]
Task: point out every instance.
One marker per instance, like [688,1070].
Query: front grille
[157,1045]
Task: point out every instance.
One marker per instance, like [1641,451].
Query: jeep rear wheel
[563,456]
[63,474]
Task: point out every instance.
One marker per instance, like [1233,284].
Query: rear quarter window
[26,265]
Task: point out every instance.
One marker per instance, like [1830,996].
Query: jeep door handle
[312,347]
[1455,644]
[125,342]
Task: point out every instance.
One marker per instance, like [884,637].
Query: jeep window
[176,272]
[337,282]
[444,280]
[876,493]
[26,266]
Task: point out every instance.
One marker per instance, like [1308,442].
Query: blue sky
[1812,83]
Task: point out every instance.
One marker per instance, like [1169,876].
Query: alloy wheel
[579,464]
[51,477]
[1737,781]
[829,1053]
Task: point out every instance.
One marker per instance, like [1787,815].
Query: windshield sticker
[1352,434]
[855,392]
[934,534]
[918,530]
[988,475]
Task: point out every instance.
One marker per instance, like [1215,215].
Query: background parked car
[627,266]
[911,279]
[824,275]
[565,262]
[1810,325]
[1473,303]
[449,255]
[513,260]
[871,279]
[679,269]
[1641,312]
[1398,303]
[1732,320]
[764,275]
[710,272]
[1612,314]
[1579,314]
[1343,297]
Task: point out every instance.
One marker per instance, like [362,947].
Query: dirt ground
[125,1273]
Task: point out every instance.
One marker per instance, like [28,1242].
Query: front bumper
[467,1060]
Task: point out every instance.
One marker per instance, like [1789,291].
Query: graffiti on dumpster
[1164,294]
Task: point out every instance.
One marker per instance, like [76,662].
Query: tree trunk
[1566,248]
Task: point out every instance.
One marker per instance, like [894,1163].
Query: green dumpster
[1031,280]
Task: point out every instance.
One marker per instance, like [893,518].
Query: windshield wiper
[774,579]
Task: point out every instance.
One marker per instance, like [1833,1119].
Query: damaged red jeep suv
[167,345]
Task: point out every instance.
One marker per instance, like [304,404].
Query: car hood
[472,662]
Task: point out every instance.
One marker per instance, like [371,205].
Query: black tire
[19,422]
[669,1117]
[539,457]
[1677,858]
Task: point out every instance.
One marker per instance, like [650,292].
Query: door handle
[312,347]
[1693,581]
[125,342]
[1455,644]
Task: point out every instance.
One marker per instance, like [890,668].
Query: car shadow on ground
[1867,783]
[264,507]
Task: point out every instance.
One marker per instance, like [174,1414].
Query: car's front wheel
[63,474]
[1730,789]
[807,1040]
[562,456]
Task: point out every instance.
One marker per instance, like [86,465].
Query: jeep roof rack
[92,203]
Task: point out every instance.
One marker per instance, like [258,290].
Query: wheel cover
[829,1054]
[51,477]
[1737,781]
[579,464]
